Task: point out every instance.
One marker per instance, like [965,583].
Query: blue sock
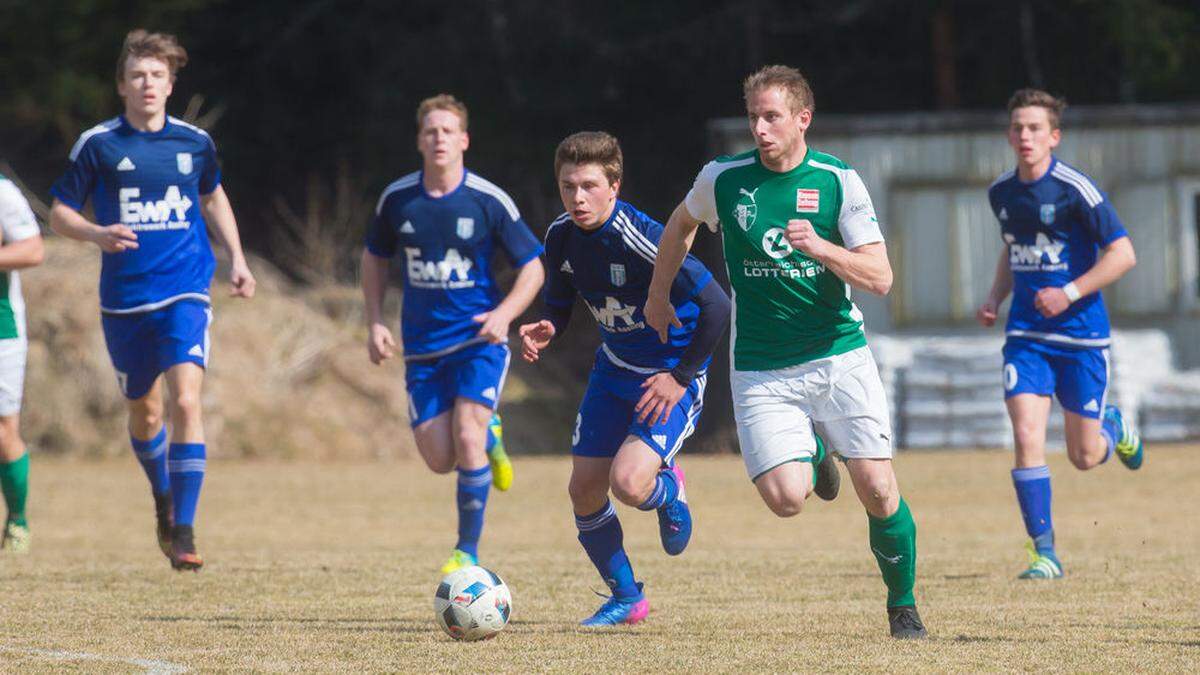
[1110,433]
[186,464]
[152,455]
[602,539]
[473,488]
[1033,495]
[666,489]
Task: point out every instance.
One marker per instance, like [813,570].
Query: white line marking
[152,666]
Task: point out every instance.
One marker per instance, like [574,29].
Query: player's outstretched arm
[219,213]
[673,247]
[22,254]
[865,267]
[1118,258]
[1002,283]
[495,323]
[68,222]
[374,273]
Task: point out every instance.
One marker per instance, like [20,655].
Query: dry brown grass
[332,567]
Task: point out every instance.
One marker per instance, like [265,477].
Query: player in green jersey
[798,230]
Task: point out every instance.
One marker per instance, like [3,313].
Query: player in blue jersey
[1063,244]
[644,396]
[155,186]
[446,223]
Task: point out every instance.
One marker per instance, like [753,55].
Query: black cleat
[164,516]
[828,478]
[905,623]
[183,549]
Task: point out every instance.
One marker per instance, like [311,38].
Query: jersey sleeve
[857,220]
[701,200]
[210,176]
[1102,222]
[559,291]
[693,275]
[77,182]
[16,218]
[515,237]
[381,236]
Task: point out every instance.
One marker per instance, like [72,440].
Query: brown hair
[142,44]
[591,147]
[1036,98]
[442,102]
[788,79]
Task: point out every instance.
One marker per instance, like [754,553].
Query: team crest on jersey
[1047,214]
[745,212]
[183,160]
[808,201]
[465,228]
[616,273]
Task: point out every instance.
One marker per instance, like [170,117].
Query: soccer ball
[472,603]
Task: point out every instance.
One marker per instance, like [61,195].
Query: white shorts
[12,374]
[841,395]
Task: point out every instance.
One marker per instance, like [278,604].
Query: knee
[1082,461]
[785,505]
[10,438]
[441,465]
[186,405]
[1027,434]
[147,416]
[877,493]
[627,487]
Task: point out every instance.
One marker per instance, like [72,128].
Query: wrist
[1072,292]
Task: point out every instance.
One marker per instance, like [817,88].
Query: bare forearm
[22,254]
[673,247]
[1117,259]
[70,223]
[1002,281]
[374,285]
[218,212]
[865,268]
[524,290]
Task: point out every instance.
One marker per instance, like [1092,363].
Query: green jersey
[788,308]
[16,223]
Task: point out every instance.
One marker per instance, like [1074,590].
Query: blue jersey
[150,181]
[1054,228]
[447,244]
[611,267]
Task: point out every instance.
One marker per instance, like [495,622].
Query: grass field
[332,567]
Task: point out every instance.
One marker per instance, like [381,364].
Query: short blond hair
[442,102]
[140,44]
[793,84]
[1036,98]
[591,147]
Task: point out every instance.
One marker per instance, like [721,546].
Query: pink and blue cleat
[675,519]
[616,611]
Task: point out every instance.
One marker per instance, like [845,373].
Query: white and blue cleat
[1129,443]
[616,611]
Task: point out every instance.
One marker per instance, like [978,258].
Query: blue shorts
[143,345]
[475,372]
[1079,377]
[607,417]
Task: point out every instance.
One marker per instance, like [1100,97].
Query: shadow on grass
[359,625]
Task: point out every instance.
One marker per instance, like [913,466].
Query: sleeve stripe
[553,224]
[1090,194]
[1002,177]
[634,239]
[193,127]
[98,129]
[398,184]
[486,186]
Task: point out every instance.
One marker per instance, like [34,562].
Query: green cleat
[458,560]
[502,469]
[1041,566]
[1129,443]
[16,538]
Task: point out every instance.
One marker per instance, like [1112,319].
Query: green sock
[14,480]
[818,457]
[894,543]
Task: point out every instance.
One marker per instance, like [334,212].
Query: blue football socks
[666,490]
[186,462]
[1033,494]
[603,540]
[152,455]
[473,488]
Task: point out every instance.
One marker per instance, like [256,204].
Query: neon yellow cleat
[1041,566]
[16,538]
[502,469]
[458,560]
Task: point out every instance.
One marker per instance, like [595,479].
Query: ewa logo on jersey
[168,213]
[1044,255]
[616,316]
[452,271]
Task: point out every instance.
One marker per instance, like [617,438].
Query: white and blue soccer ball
[472,603]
